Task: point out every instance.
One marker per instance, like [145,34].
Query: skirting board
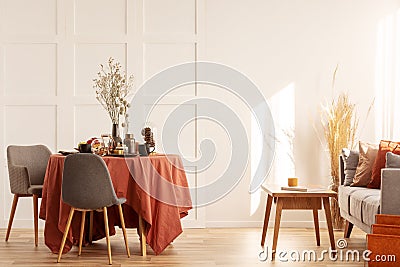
[251,224]
[22,224]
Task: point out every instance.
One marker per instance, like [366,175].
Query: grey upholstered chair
[26,167]
[87,186]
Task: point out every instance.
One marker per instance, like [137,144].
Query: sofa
[359,205]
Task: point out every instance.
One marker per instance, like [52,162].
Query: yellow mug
[293,181]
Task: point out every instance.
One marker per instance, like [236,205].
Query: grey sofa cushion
[350,164]
[366,198]
[344,193]
[370,207]
[392,160]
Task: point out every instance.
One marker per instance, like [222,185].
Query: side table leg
[316,225]
[329,221]
[266,219]
[279,206]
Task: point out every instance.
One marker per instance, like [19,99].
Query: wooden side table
[295,200]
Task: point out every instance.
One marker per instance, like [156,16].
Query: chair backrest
[34,158]
[86,182]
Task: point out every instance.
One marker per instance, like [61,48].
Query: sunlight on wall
[256,147]
[396,93]
[387,78]
[282,106]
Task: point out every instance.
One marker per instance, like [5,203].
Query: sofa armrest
[390,191]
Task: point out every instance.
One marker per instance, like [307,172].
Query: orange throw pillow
[366,160]
[380,161]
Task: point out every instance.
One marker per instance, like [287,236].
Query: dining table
[157,196]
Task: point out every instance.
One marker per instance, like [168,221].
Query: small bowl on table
[85,148]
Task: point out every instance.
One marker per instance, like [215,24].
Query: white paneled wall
[281,44]
[50,51]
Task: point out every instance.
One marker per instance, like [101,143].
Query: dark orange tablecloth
[163,223]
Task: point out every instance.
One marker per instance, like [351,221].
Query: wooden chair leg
[91,227]
[81,232]
[36,218]
[121,216]
[107,235]
[348,228]
[71,214]
[142,233]
[12,213]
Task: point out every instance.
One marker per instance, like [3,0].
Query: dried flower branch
[112,89]
[340,124]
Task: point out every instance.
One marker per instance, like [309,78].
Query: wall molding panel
[50,51]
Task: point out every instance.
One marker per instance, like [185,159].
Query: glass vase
[116,139]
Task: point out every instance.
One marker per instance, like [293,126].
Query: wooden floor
[195,247]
